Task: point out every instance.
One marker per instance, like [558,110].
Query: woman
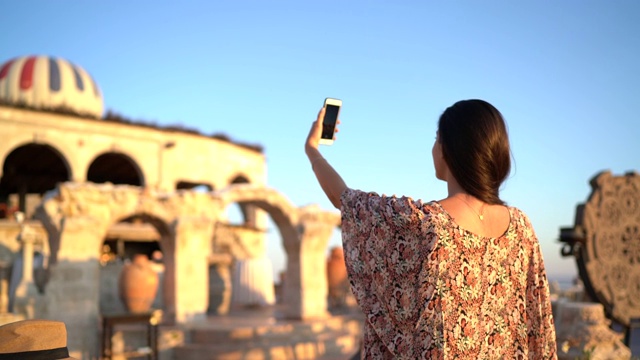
[458,278]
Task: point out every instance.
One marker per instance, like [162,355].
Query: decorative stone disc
[608,229]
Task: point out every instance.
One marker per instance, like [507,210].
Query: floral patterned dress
[432,290]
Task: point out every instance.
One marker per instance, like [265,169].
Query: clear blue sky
[565,75]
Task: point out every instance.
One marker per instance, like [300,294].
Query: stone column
[27,259]
[219,284]
[25,292]
[305,290]
[252,282]
[191,259]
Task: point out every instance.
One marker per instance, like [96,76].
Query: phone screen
[329,122]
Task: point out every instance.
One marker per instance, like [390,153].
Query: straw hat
[34,339]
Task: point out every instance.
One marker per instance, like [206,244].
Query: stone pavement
[254,334]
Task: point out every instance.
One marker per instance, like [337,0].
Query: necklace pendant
[481,217]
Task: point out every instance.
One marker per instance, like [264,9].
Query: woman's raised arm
[329,179]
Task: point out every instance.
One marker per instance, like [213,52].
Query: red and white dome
[44,82]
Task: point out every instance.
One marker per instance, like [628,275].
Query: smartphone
[332,109]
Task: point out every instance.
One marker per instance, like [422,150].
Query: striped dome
[44,82]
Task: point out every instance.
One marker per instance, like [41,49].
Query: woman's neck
[454,188]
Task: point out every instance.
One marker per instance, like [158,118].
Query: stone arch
[78,215]
[32,168]
[116,168]
[283,213]
[305,234]
[285,218]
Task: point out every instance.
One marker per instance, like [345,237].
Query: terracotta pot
[138,284]
[336,273]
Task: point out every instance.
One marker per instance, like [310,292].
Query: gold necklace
[480,215]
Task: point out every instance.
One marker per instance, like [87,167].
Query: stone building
[97,189]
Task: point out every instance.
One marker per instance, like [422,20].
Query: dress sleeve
[541,330]
[386,239]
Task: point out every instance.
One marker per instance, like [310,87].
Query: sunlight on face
[438,160]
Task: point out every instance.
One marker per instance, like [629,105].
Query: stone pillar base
[583,331]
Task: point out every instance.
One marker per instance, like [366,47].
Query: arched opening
[27,173]
[240,234]
[258,239]
[115,168]
[250,250]
[133,236]
[245,244]
[248,212]
[304,234]
[188,185]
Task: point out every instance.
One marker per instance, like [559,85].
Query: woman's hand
[313,139]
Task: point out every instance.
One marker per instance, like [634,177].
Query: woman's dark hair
[475,146]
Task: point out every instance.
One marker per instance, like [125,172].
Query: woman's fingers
[313,139]
[315,132]
[321,114]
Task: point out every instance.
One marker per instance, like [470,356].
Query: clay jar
[336,274]
[138,284]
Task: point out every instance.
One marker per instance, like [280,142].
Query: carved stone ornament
[606,244]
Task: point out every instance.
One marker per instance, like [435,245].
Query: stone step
[208,334]
[327,346]
[334,338]
[249,335]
